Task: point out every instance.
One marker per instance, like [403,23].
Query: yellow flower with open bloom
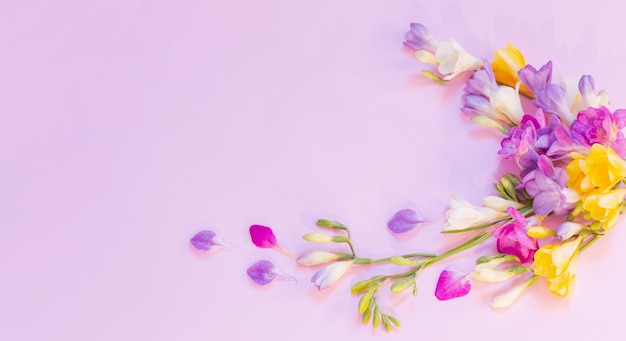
[601,170]
[604,207]
[506,63]
[558,264]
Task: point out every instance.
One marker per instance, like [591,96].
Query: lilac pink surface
[128,126]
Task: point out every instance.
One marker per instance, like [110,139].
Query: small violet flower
[263,272]
[512,237]
[208,240]
[328,275]
[452,284]
[404,221]
[263,237]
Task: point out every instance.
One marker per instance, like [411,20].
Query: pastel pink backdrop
[128,126]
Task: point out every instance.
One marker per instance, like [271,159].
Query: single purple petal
[404,221]
[452,284]
[262,272]
[204,240]
[263,236]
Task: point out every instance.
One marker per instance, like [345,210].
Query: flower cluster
[570,152]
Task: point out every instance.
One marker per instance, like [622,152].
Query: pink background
[127,126]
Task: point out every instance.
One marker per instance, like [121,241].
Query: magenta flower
[263,237]
[404,221]
[601,126]
[263,272]
[208,240]
[453,284]
[547,186]
[512,237]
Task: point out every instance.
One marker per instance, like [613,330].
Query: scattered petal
[404,221]
[263,272]
[263,236]
[208,240]
[452,284]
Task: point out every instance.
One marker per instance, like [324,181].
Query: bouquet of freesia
[569,149]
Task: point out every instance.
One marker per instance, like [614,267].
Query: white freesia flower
[329,274]
[316,258]
[451,59]
[462,215]
[506,100]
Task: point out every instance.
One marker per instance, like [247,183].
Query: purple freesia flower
[419,38]
[263,272]
[546,185]
[482,82]
[452,284]
[536,80]
[512,237]
[552,99]
[601,126]
[404,221]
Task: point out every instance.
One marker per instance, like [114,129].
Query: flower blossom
[506,64]
[513,239]
[601,126]
[450,57]
[328,275]
[463,214]
[547,186]
[558,264]
[601,170]
[604,207]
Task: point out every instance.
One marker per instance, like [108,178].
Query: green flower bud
[364,302]
[317,237]
[330,224]
[367,284]
[402,284]
[397,260]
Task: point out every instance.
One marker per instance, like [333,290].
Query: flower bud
[500,204]
[568,229]
[316,258]
[317,237]
[329,274]
[539,232]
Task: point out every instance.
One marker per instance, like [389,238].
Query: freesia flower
[604,206]
[263,272]
[546,185]
[601,126]
[513,239]
[500,204]
[558,263]
[329,274]
[263,237]
[462,215]
[536,80]
[208,240]
[404,221]
[506,64]
[506,101]
[452,284]
[602,169]
[580,94]
[450,56]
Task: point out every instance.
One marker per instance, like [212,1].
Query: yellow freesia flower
[506,63]
[601,170]
[604,207]
[558,264]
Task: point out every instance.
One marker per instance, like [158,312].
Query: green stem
[588,243]
[387,259]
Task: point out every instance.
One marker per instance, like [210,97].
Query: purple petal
[404,221]
[262,272]
[204,240]
[536,80]
[452,284]
[263,236]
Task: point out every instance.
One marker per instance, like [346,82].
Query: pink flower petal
[452,284]
[263,236]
